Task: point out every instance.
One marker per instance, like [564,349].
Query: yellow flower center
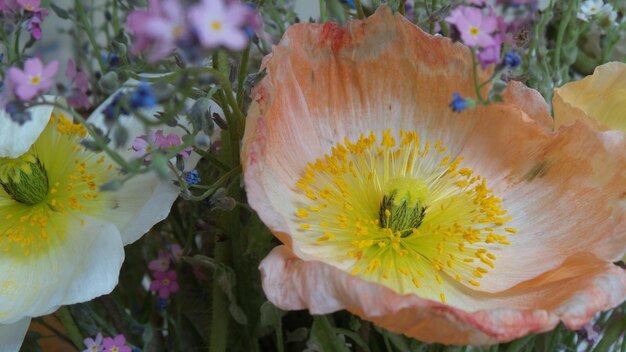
[177,31]
[44,189]
[400,214]
[216,25]
[35,80]
[474,31]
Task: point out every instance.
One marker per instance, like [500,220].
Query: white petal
[12,335]
[142,202]
[83,265]
[16,139]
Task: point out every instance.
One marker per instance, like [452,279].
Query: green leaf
[271,315]
[325,337]
[63,14]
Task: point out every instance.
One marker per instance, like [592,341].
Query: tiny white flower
[589,8]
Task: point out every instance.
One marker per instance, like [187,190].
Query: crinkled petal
[572,293]
[598,99]
[81,265]
[18,139]
[531,101]
[12,335]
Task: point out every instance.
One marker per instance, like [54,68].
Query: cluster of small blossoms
[106,344]
[209,24]
[26,13]
[487,27]
[145,145]
[164,281]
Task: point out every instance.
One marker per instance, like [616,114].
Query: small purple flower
[157,29]
[476,28]
[93,345]
[220,24]
[164,283]
[161,264]
[116,344]
[34,79]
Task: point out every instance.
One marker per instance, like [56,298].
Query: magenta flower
[93,345]
[220,24]
[161,264]
[34,79]
[164,283]
[476,29]
[116,344]
[157,29]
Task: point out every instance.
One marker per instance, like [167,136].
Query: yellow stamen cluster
[402,212]
[73,175]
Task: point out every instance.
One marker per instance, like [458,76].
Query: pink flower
[489,55]
[161,264]
[34,79]
[157,29]
[177,252]
[93,345]
[143,145]
[116,344]
[30,5]
[219,24]
[476,29]
[79,96]
[164,283]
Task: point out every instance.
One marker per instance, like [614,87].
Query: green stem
[359,9]
[212,159]
[116,19]
[560,35]
[70,326]
[280,345]
[16,44]
[243,71]
[323,13]
[479,95]
[56,332]
[433,5]
[86,24]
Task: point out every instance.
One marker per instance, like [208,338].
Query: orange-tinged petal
[572,293]
[543,198]
[598,99]
[531,101]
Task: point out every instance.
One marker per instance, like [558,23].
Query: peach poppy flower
[471,228]
[598,99]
